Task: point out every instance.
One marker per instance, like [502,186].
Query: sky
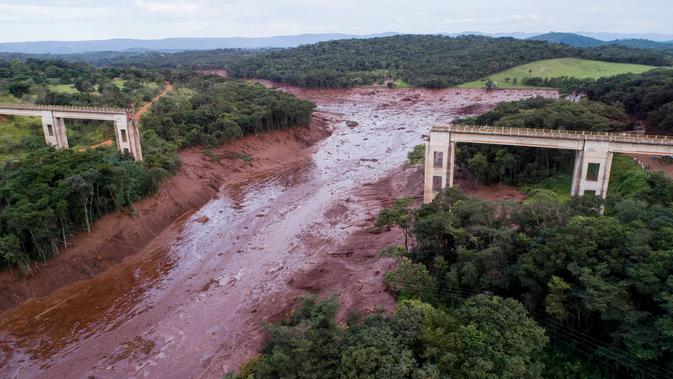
[26,20]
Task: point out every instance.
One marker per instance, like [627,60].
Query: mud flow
[192,302]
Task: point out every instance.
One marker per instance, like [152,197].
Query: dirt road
[191,302]
[168,87]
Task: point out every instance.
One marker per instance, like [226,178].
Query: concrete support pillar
[135,138]
[128,138]
[49,129]
[439,161]
[577,173]
[592,169]
[452,162]
[54,130]
[61,133]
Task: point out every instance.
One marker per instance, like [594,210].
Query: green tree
[400,215]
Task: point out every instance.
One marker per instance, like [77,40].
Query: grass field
[63,88]
[554,68]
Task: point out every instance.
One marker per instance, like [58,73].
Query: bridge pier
[592,169]
[54,130]
[128,137]
[440,156]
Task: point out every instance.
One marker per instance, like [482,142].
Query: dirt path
[190,303]
[168,87]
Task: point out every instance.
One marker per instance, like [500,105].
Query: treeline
[482,280]
[527,165]
[50,194]
[34,80]
[647,96]
[423,61]
[214,109]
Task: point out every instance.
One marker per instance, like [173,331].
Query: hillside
[556,68]
[418,60]
[579,40]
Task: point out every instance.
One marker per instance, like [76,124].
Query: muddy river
[191,302]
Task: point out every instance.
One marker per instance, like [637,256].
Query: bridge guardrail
[67,108]
[558,133]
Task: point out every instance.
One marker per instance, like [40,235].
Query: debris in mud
[130,348]
[351,124]
[341,253]
[203,219]
[368,160]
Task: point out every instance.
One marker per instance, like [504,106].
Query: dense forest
[214,110]
[47,195]
[647,96]
[423,61]
[546,288]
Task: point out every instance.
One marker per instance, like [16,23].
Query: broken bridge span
[53,124]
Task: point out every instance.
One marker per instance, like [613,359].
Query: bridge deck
[557,134]
[65,108]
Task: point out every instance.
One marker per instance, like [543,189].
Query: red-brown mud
[655,163]
[200,178]
[191,301]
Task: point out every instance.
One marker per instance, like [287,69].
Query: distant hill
[570,39]
[175,44]
[578,40]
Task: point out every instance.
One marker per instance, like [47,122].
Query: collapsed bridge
[593,152]
[53,124]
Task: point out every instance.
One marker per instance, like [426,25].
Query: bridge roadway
[593,152]
[53,123]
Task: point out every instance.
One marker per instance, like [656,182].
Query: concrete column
[61,133]
[437,165]
[577,173]
[49,129]
[128,138]
[135,138]
[594,153]
[452,162]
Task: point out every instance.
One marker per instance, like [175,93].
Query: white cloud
[166,6]
[86,19]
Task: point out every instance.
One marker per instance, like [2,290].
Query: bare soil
[183,288]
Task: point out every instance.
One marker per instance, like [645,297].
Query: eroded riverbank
[191,302]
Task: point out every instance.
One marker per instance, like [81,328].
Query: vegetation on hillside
[423,61]
[47,195]
[485,336]
[216,109]
[543,73]
[647,96]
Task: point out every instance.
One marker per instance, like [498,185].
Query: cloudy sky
[32,20]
